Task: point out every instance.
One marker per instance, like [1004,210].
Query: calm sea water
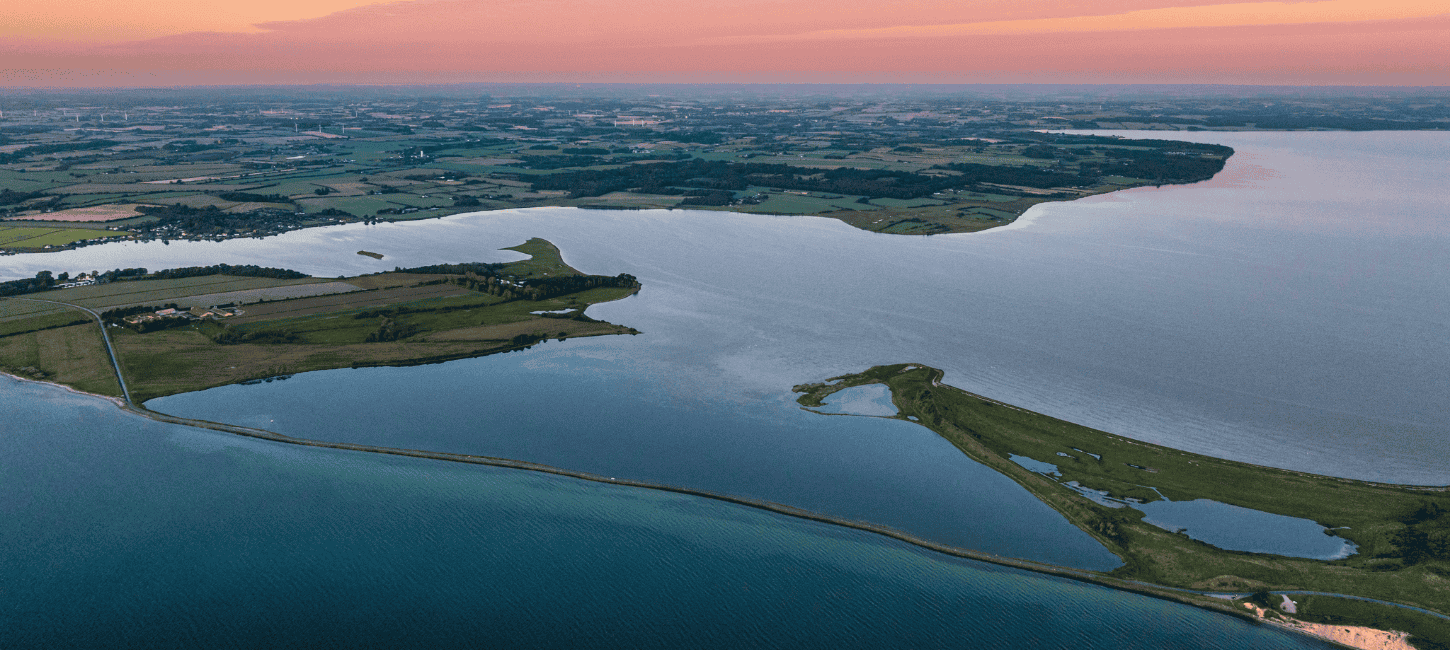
[573,405]
[1292,311]
[120,532]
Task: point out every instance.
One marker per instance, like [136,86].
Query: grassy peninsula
[229,329]
[1403,532]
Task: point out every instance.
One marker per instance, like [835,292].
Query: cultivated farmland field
[29,237]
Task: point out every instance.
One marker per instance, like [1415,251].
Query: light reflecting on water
[572,405]
[1290,312]
[871,399]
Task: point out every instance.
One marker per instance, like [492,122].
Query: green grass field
[398,319]
[73,356]
[1369,514]
[104,296]
[29,237]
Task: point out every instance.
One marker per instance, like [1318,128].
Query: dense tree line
[695,137]
[61,147]
[1426,535]
[510,288]
[559,162]
[248,197]
[481,268]
[11,197]
[211,221]
[42,281]
[1025,176]
[45,280]
[708,197]
[244,270]
[676,177]
[227,336]
[1155,166]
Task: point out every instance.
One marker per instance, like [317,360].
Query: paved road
[105,336]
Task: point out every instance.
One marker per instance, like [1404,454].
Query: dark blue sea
[120,532]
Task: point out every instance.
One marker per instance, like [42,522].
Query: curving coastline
[1200,599]
[1197,598]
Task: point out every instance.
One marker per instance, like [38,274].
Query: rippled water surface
[120,532]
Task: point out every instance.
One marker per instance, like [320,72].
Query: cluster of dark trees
[42,281]
[121,274]
[480,268]
[228,336]
[1041,152]
[60,147]
[543,288]
[191,146]
[708,197]
[1025,176]
[211,221]
[45,280]
[576,158]
[1178,167]
[244,270]
[248,197]
[560,162]
[443,174]
[428,150]
[390,330]
[675,178]
[11,197]
[1426,535]
[695,137]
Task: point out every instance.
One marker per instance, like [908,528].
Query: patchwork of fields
[28,237]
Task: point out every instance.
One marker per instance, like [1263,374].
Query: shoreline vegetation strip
[1402,531]
[1205,601]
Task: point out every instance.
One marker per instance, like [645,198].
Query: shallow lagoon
[871,399]
[1242,529]
[1226,526]
[576,405]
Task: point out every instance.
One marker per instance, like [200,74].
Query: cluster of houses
[81,280]
[195,313]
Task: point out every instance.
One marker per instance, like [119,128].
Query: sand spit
[1364,638]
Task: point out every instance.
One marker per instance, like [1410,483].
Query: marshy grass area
[1401,531]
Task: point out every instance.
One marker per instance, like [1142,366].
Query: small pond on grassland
[1222,525]
[870,399]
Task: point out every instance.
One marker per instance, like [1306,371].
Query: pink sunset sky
[166,42]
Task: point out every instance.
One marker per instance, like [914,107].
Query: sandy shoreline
[1353,636]
[114,400]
